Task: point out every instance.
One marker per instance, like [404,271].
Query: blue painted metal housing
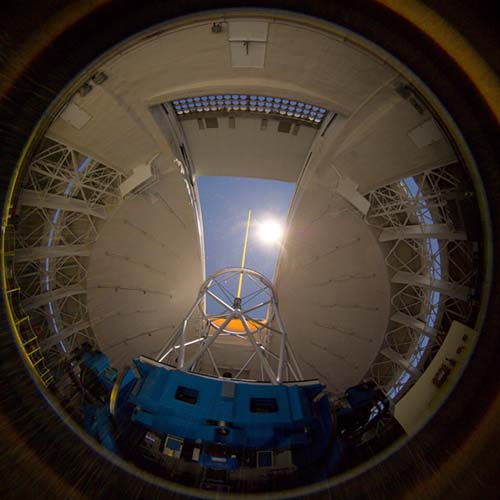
[235,413]
[217,415]
[163,414]
[98,364]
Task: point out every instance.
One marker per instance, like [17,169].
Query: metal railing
[23,330]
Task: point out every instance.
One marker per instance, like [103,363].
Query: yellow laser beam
[243,257]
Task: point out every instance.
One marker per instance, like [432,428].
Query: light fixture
[250,103]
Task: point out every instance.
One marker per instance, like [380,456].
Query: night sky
[225,202]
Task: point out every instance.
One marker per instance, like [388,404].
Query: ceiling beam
[445,287]
[414,323]
[44,298]
[422,231]
[64,334]
[39,253]
[401,361]
[32,198]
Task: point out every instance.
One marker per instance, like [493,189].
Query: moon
[271,231]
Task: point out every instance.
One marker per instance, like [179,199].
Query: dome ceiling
[144,267]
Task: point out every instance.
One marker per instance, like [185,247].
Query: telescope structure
[252,320]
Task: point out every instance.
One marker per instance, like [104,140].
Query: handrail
[20,322]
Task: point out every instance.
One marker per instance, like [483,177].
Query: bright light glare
[270,231]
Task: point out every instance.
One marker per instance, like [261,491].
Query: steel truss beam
[66,198]
[46,252]
[432,266]
[417,231]
[401,361]
[414,323]
[446,287]
[64,334]
[58,294]
[31,198]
